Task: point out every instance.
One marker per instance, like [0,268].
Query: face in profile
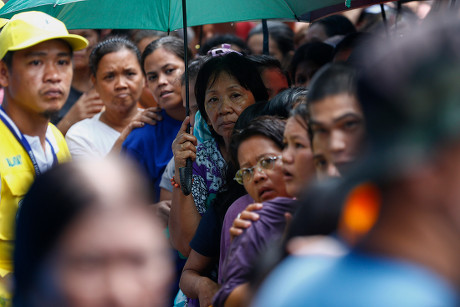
[275,81]
[119,80]
[117,258]
[298,168]
[261,168]
[338,128]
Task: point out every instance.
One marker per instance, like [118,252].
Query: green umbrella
[166,15]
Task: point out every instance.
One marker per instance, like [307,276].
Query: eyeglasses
[246,174]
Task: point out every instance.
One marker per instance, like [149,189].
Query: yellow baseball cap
[28,29]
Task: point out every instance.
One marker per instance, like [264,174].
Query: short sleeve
[207,237]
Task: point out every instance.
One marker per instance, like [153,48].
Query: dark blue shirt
[150,146]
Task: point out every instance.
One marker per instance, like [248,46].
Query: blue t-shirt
[150,146]
[356,279]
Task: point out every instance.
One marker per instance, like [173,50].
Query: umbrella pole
[185,173]
[184,23]
[265,49]
[384,18]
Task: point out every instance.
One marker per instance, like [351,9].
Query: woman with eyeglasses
[257,150]
[226,85]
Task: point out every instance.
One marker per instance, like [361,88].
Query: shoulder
[144,133]
[84,126]
[275,208]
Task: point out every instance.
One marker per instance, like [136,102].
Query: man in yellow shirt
[36,73]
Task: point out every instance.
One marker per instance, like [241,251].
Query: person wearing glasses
[294,167]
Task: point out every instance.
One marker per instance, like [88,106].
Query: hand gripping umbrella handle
[185,174]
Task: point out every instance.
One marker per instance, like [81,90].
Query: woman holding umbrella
[225,86]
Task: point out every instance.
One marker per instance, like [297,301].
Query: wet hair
[332,79]
[316,54]
[235,65]
[171,44]
[218,40]
[270,127]
[280,32]
[336,25]
[282,104]
[141,34]
[109,45]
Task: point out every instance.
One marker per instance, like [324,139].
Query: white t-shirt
[91,138]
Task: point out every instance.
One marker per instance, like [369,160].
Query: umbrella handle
[185,174]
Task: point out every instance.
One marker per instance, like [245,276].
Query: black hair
[332,79]
[336,25]
[8,59]
[282,104]
[270,127]
[302,115]
[316,54]
[237,66]
[255,110]
[53,201]
[351,41]
[263,61]
[109,45]
[170,43]
[218,40]
[280,32]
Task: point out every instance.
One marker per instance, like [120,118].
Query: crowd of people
[322,174]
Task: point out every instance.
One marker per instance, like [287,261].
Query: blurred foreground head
[410,96]
[86,237]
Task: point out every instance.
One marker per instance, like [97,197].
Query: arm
[244,220]
[184,217]
[88,105]
[193,282]
[239,296]
[147,116]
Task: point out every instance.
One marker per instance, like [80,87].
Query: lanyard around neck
[25,144]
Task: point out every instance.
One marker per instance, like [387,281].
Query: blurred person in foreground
[87,237]
[411,100]
[36,73]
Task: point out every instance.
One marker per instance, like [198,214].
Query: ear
[4,74]
[93,79]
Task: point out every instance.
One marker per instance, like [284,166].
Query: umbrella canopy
[166,15]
